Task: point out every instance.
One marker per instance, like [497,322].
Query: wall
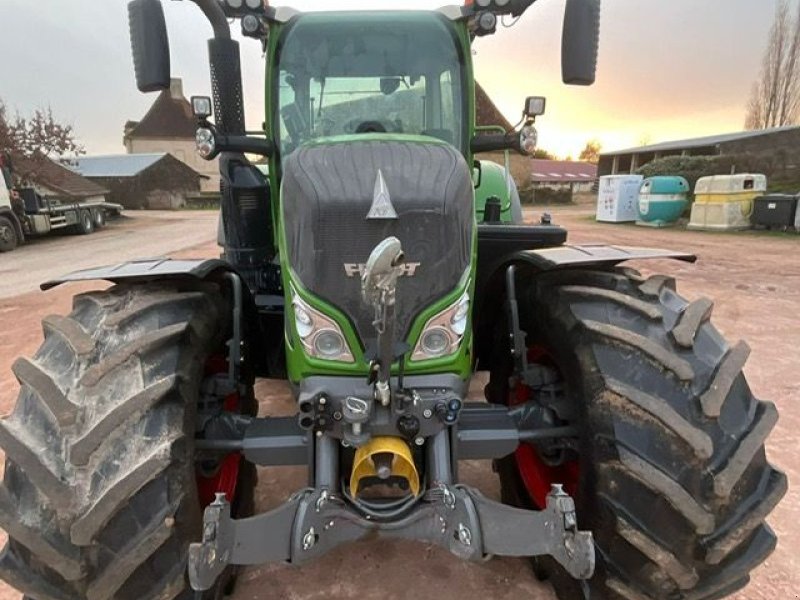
[165,185]
[782,149]
[183,150]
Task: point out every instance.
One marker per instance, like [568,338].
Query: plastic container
[662,200]
[774,210]
[618,198]
[725,202]
[797,216]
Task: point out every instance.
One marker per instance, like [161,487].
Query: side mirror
[150,45]
[534,106]
[580,42]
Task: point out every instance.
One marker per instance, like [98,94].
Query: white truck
[24,213]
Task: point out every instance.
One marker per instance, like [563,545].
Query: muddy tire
[99,497]
[674,481]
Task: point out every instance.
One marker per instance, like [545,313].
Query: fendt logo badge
[357,270]
[382,207]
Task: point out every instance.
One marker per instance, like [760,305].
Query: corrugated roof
[711,140]
[115,165]
[49,174]
[561,171]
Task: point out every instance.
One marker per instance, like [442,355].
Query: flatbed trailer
[26,214]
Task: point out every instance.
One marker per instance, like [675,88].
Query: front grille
[327,192]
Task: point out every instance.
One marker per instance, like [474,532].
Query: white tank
[618,198]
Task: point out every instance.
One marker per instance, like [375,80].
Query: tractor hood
[341,197]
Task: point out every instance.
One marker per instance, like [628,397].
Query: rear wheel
[8,235]
[100,497]
[85,224]
[670,472]
[99,217]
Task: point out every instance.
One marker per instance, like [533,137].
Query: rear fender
[495,181]
[489,314]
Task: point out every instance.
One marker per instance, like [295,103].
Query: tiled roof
[169,117]
[562,171]
[487,112]
[58,178]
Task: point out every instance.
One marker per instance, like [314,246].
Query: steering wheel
[371,127]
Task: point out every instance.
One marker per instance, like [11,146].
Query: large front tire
[100,498]
[674,481]
[9,239]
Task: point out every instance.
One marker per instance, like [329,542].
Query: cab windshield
[341,73]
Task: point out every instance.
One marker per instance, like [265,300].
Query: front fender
[490,307]
[147,270]
[592,255]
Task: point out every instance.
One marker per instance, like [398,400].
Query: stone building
[169,126]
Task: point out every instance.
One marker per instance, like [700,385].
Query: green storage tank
[662,200]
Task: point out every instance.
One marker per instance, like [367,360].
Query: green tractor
[629,446]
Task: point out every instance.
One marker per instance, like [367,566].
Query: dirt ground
[755,279]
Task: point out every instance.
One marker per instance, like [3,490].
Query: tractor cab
[401,73]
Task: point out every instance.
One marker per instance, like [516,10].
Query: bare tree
[36,138]
[775,97]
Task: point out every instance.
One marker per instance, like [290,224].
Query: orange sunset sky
[668,69]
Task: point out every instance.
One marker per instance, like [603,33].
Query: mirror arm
[245,144]
[494,142]
[215,15]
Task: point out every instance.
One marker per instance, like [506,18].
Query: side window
[448,98]
[450,108]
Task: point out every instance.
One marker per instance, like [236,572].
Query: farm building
[155,181]
[779,146]
[169,126]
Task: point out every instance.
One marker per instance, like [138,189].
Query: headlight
[528,138]
[206,145]
[435,341]
[443,333]
[329,344]
[321,336]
